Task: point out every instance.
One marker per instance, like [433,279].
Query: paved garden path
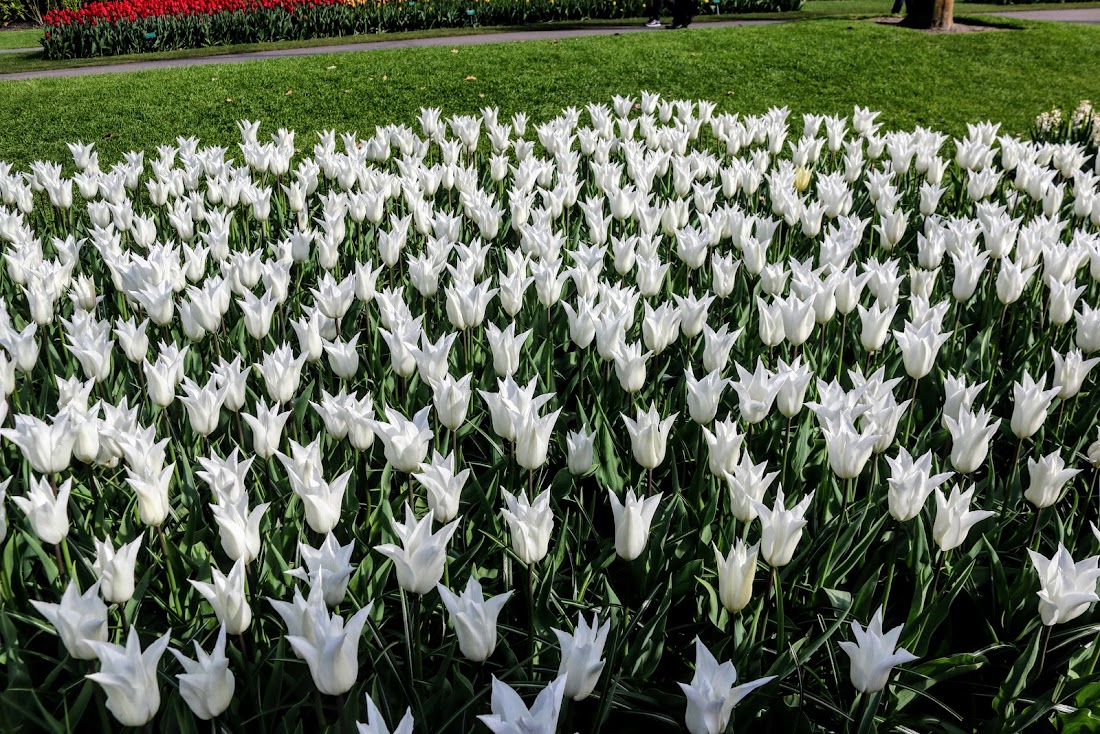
[1069,15]
[470,40]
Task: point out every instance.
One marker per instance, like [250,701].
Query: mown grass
[812,10]
[30,62]
[22,38]
[828,66]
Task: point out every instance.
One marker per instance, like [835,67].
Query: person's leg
[685,11]
[655,8]
[677,13]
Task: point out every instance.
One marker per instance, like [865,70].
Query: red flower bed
[132,10]
[115,27]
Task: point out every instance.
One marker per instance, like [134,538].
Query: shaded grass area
[813,9]
[827,66]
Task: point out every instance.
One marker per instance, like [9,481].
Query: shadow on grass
[962,24]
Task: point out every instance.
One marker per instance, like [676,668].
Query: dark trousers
[683,11]
[655,8]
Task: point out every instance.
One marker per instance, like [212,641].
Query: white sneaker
[653,24]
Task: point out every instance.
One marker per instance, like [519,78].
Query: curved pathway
[465,40]
[1068,15]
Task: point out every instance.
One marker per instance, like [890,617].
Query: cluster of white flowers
[685,250]
[1084,118]
[1047,122]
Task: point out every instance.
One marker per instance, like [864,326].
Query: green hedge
[169,33]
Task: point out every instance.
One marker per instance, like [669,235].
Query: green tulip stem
[780,618]
[1015,471]
[60,565]
[580,379]
[995,361]
[839,520]
[531,620]
[867,718]
[1095,660]
[68,559]
[237,418]
[1093,486]
[171,572]
[1035,528]
[911,410]
[418,660]
[1046,643]
[840,345]
[890,578]
[342,705]
[786,452]
[408,639]
[941,556]
[319,710]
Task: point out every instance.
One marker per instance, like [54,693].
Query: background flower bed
[108,29]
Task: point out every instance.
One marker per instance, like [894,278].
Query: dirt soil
[955,28]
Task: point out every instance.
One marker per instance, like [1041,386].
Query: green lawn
[12,63]
[20,38]
[826,66]
[812,10]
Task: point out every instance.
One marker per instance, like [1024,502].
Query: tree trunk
[943,15]
[936,14]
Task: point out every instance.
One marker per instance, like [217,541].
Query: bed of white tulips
[649,415]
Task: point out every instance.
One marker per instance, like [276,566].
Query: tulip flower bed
[115,27]
[647,415]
